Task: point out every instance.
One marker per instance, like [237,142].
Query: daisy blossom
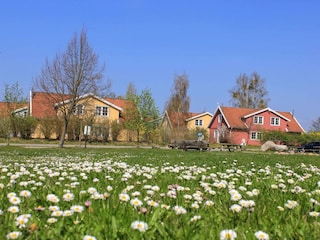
[87,237]
[261,235]
[14,235]
[140,226]
[228,234]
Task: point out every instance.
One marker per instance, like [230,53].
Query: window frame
[274,121]
[198,122]
[76,109]
[259,120]
[255,135]
[102,112]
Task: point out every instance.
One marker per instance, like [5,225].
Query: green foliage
[24,126]
[13,99]
[48,126]
[289,138]
[193,134]
[139,115]
[74,129]
[116,128]
[13,94]
[4,126]
[101,131]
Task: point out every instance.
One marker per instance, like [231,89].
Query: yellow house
[175,125]
[91,106]
[98,113]
[199,120]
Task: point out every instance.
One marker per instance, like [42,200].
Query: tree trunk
[63,134]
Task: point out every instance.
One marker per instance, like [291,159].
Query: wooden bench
[232,147]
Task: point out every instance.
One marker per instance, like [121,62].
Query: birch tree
[178,104]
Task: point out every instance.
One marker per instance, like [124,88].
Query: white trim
[215,113]
[264,110]
[199,116]
[298,123]
[93,96]
[168,118]
[20,110]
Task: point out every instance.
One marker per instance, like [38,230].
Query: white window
[275,121]
[258,120]
[219,118]
[22,114]
[198,122]
[102,111]
[256,135]
[78,109]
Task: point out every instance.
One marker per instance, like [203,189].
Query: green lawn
[76,193]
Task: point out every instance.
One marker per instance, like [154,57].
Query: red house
[245,125]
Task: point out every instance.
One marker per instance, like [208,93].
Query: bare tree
[179,102]
[249,92]
[104,89]
[70,75]
[315,126]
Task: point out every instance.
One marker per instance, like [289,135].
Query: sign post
[86,132]
[200,136]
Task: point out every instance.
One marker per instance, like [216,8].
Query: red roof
[4,111]
[179,118]
[234,117]
[122,103]
[43,104]
[293,125]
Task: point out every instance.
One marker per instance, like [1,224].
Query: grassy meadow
[75,193]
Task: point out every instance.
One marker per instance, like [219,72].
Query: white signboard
[87,130]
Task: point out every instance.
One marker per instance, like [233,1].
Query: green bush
[289,138]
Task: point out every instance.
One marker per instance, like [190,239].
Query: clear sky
[149,42]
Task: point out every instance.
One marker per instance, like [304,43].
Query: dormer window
[198,122]
[258,120]
[102,111]
[275,121]
[78,109]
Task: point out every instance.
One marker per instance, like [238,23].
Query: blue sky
[148,43]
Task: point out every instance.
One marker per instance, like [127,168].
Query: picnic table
[232,147]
